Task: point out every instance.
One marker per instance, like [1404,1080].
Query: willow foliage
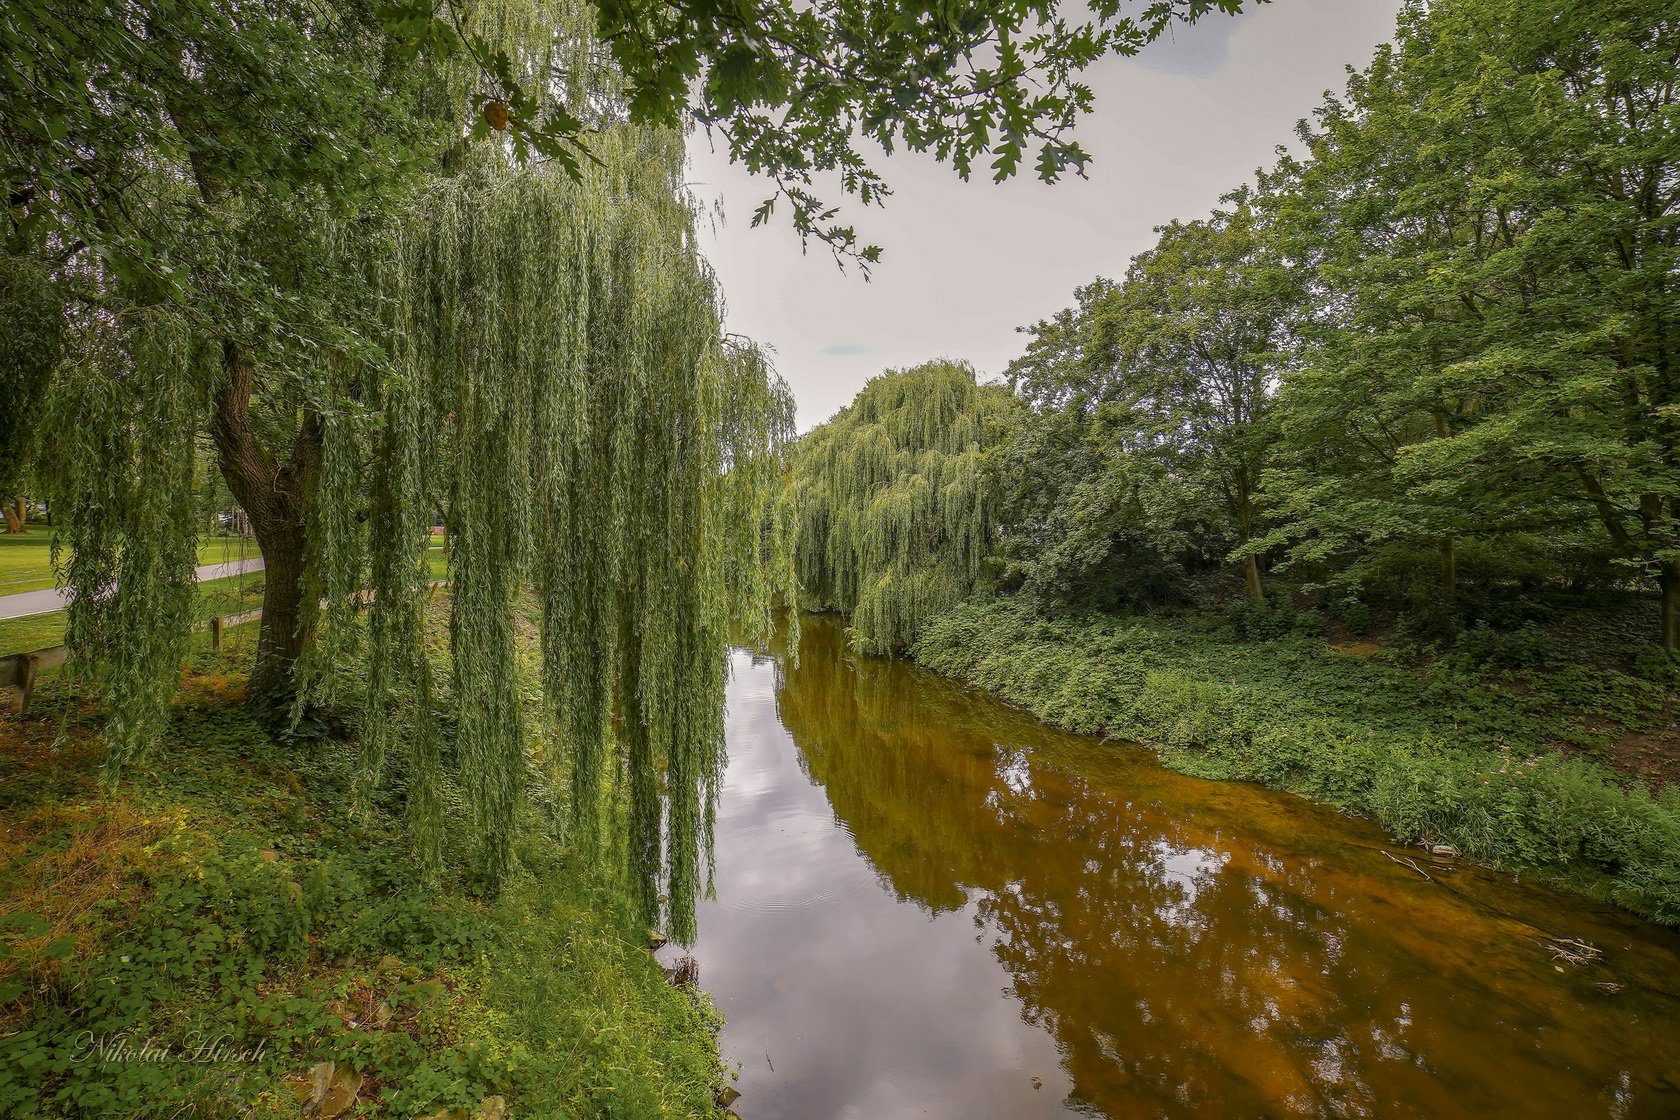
[895,507]
[606,447]
[538,355]
[124,501]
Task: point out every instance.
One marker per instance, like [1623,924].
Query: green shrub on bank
[1430,753]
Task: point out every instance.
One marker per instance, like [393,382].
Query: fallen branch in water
[1573,950]
[1407,862]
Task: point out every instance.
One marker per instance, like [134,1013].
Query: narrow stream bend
[930,905]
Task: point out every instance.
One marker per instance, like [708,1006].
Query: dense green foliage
[609,447]
[1150,425]
[1426,364]
[231,903]
[1440,754]
[34,341]
[896,511]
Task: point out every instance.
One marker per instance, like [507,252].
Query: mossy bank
[1501,750]
[202,940]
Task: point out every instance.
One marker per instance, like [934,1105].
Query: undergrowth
[194,942]
[1497,760]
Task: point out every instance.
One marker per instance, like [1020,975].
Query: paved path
[51,599]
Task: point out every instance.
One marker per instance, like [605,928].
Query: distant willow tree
[896,509]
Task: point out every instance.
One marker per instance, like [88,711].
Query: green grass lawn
[26,561]
[231,595]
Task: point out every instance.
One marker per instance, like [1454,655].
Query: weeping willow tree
[895,508]
[535,351]
[606,447]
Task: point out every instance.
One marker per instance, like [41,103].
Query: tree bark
[1449,567]
[275,498]
[1251,576]
[15,517]
[1245,532]
[1668,576]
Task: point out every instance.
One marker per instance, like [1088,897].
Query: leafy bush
[1483,647]
[1657,665]
[1353,613]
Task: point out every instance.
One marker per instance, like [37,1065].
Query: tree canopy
[290,96]
[1151,426]
[1490,213]
[1436,348]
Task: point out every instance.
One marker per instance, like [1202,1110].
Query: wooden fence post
[26,667]
[10,666]
[22,670]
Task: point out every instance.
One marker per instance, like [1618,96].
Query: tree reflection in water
[1201,949]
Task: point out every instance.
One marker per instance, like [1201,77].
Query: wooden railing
[20,671]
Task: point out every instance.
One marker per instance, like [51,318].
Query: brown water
[930,905]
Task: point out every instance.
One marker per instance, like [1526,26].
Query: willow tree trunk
[15,514]
[275,497]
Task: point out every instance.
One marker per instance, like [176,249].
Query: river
[929,905]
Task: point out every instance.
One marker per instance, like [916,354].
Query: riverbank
[217,937]
[1504,757]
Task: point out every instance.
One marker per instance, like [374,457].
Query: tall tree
[1197,334]
[896,509]
[1151,405]
[1496,201]
[1091,516]
[539,354]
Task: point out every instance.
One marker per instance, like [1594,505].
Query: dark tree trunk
[1245,532]
[1449,567]
[1669,577]
[286,629]
[275,497]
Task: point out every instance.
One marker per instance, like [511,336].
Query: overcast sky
[967,263]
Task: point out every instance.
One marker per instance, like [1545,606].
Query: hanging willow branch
[603,445]
[127,538]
